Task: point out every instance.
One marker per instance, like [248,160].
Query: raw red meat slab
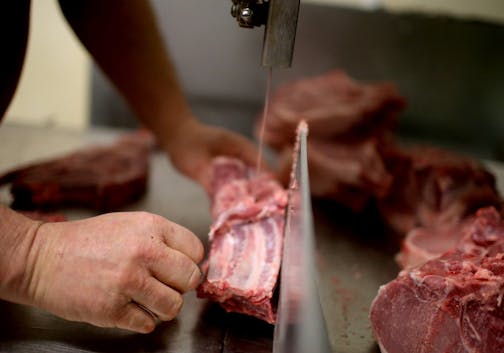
[452,304]
[349,122]
[333,105]
[103,178]
[433,187]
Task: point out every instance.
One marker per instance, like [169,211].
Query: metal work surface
[354,259]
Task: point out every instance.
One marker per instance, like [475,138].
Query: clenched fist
[105,270]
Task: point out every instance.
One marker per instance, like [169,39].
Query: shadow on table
[201,327]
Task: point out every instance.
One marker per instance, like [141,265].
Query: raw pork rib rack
[246,240]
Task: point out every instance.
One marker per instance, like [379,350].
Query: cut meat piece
[102,178]
[349,122]
[433,186]
[451,304]
[351,173]
[246,240]
[333,105]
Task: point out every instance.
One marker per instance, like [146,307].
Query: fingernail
[195,277]
[149,326]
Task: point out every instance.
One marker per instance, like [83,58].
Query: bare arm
[124,39]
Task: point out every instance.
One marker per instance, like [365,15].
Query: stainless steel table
[354,259]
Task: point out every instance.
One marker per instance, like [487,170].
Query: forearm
[125,41]
[17,244]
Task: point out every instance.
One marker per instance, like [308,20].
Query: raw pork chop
[452,304]
[102,178]
[246,240]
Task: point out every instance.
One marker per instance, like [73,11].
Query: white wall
[489,10]
[54,86]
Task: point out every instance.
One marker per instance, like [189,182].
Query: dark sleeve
[14,26]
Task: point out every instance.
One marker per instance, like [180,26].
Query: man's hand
[193,146]
[105,270]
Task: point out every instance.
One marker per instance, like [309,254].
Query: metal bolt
[246,13]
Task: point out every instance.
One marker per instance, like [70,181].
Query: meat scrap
[246,240]
[101,178]
[451,304]
[426,243]
[433,187]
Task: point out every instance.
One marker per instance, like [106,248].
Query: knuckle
[135,320]
[119,315]
[144,286]
[179,261]
[186,271]
[171,306]
[175,306]
[127,280]
[152,220]
[139,249]
[103,305]
[144,215]
[136,251]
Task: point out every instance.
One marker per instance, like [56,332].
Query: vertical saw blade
[300,326]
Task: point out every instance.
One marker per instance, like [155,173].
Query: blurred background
[446,57]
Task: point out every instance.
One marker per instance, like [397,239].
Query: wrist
[18,249]
[172,138]
[167,118]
